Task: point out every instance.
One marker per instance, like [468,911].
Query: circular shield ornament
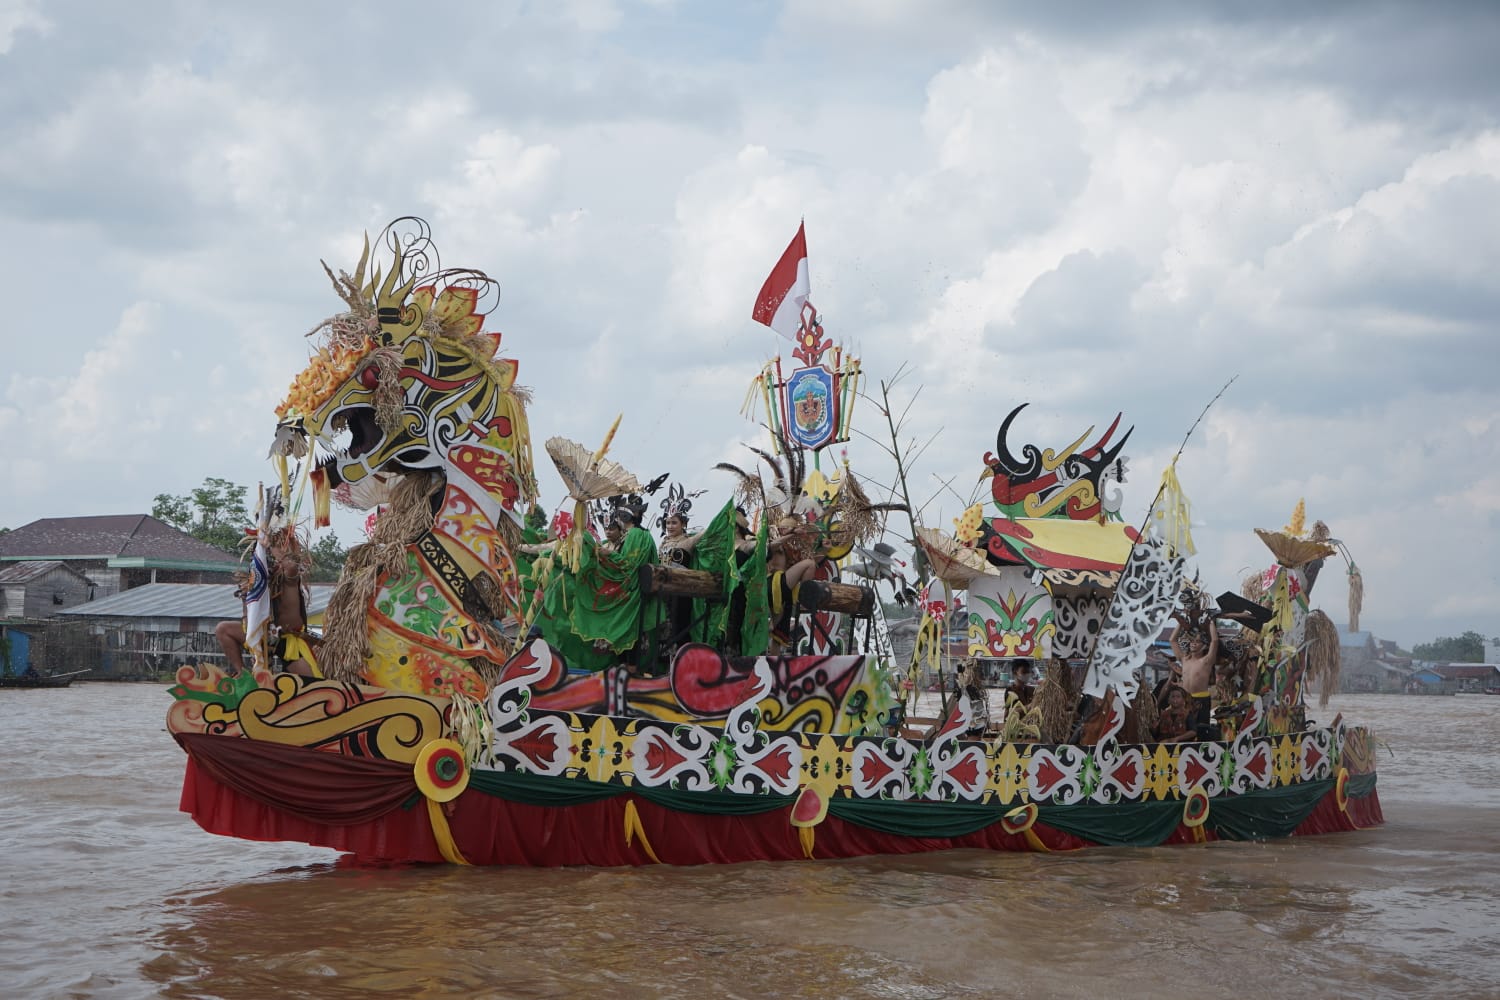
[1020,819]
[1340,789]
[1195,809]
[441,771]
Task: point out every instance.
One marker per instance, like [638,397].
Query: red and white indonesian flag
[779,304]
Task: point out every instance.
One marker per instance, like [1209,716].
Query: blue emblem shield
[809,407]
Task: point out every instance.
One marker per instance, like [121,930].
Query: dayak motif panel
[1010,614]
[743,758]
[1077,620]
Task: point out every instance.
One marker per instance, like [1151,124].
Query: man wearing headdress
[636,544]
[290,640]
[1196,653]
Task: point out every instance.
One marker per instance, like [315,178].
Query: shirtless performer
[1197,662]
[231,636]
[294,644]
[291,640]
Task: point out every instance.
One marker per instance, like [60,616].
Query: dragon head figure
[405,380]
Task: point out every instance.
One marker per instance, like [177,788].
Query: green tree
[1466,648]
[328,558]
[214,512]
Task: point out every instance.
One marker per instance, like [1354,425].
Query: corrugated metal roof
[182,600]
[25,572]
[1354,640]
[1467,671]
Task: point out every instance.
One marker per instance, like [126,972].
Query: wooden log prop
[820,595]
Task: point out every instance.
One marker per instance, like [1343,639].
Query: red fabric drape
[319,787]
[1326,817]
[401,834]
[1365,812]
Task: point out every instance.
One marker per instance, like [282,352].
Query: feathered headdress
[677,503]
[835,510]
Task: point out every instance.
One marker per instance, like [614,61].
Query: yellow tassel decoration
[278,462]
[443,835]
[752,396]
[570,549]
[634,829]
[771,418]
[1035,843]
[322,499]
[608,440]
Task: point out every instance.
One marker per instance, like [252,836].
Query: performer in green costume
[594,617]
[739,624]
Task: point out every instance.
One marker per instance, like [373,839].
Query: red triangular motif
[1258,762]
[661,757]
[1193,770]
[966,771]
[873,770]
[539,745]
[1047,775]
[1131,773]
[777,764]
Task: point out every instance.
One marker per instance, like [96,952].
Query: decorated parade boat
[497,687]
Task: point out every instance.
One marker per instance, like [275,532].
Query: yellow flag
[1173,515]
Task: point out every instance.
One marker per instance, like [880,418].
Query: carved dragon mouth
[355,432]
[349,434]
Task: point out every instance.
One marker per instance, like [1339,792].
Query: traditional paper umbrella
[955,563]
[589,476]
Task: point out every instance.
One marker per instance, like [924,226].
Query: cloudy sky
[1089,210]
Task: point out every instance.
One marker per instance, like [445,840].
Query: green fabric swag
[1265,813]
[539,790]
[916,818]
[1138,824]
[1360,786]
[755,633]
[714,553]
[1254,816]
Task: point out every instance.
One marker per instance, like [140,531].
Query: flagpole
[1145,524]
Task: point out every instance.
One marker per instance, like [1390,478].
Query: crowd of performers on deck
[594,610]
[1203,685]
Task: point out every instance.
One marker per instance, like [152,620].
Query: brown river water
[106,890]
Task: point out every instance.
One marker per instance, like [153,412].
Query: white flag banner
[258,593]
[1143,601]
